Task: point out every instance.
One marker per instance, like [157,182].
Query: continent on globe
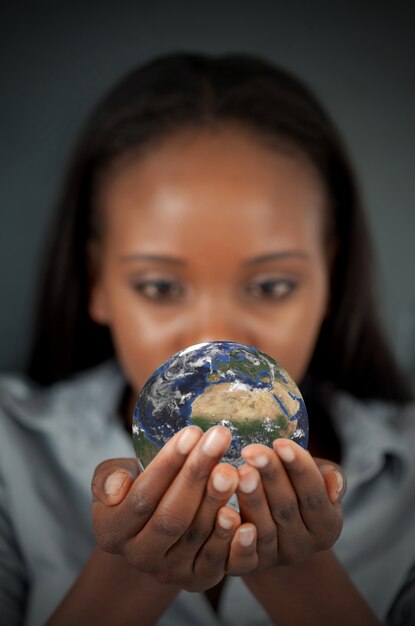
[220,382]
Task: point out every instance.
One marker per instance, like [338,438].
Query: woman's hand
[289,504]
[171,520]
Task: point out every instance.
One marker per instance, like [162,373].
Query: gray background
[57,58]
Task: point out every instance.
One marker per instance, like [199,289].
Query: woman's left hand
[290,505]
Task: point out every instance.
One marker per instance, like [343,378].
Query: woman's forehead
[214,183]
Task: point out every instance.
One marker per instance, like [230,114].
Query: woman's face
[212,236]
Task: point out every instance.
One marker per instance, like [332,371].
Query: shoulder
[377,441]
[61,423]
[24,403]
[51,439]
[373,434]
[373,417]
[66,429]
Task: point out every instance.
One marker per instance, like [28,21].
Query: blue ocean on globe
[220,382]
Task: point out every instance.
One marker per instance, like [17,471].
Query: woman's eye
[160,289]
[271,289]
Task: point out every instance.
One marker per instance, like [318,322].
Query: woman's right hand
[171,520]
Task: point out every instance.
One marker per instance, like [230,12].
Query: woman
[208,198]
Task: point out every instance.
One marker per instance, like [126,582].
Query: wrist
[111,591]
[312,592]
[284,575]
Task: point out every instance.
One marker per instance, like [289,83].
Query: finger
[254,508]
[281,497]
[212,558]
[151,486]
[180,503]
[222,483]
[292,534]
[321,517]
[334,478]
[113,527]
[113,478]
[243,557]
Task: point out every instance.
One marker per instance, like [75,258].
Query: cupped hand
[291,503]
[171,520]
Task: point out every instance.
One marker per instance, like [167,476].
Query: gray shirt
[52,439]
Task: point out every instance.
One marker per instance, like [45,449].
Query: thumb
[113,478]
[334,478]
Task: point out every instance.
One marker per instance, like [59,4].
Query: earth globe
[219,382]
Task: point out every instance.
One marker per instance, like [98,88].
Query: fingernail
[224,521]
[114,483]
[248,483]
[214,443]
[259,461]
[246,536]
[222,482]
[286,453]
[340,481]
[329,469]
[187,440]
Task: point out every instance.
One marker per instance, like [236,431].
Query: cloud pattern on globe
[220,382]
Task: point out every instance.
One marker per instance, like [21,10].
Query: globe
[220,382]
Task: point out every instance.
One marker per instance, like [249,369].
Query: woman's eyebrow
[152,258]
[275,256]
